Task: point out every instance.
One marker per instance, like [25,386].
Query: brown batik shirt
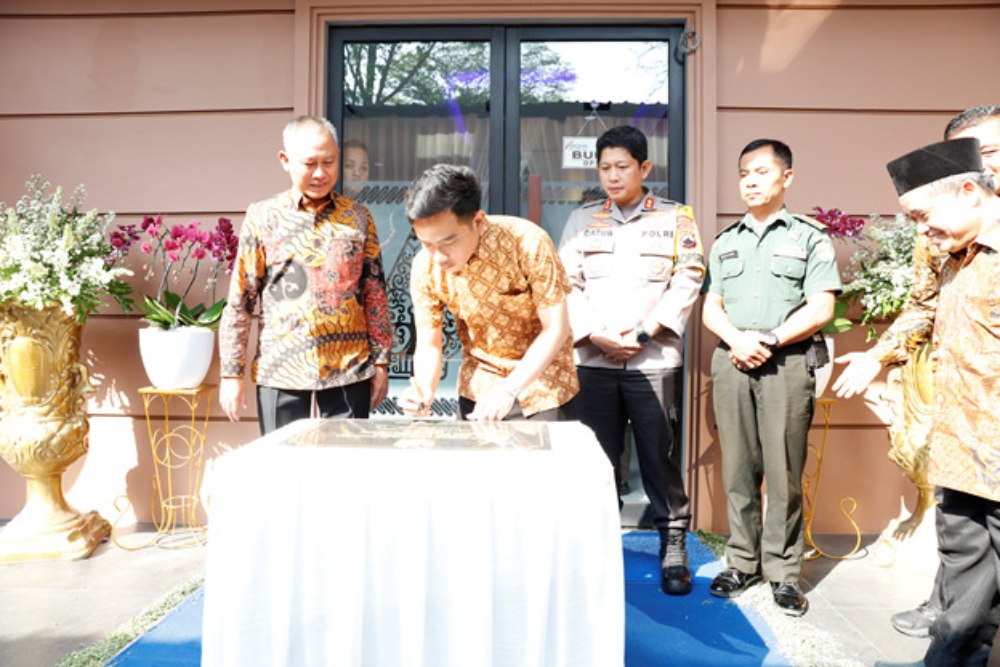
[318,279]
[965,430]
[495,299]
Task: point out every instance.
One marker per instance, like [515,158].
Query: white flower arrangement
[881,271]
[54,254]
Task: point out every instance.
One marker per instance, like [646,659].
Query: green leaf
[156,313]
[837,325]
[173,313]
[840,322]
[212,315]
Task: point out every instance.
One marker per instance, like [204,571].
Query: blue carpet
[175,640]
[691,630]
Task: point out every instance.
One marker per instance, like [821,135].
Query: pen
[420,395]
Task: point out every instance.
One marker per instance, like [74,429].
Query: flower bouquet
[52,252]
[880,273]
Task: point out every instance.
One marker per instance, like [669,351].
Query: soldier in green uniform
[771,286]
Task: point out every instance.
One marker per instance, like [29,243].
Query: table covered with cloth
[332,543]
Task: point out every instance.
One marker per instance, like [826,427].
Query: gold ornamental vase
[43,429]
[910,395]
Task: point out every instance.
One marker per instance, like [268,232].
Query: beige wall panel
[145,63]
[836,58]
[13,492]
[860,4]
[839,158]
[77,8]
[140,163]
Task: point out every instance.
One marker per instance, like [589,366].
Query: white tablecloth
[382,557]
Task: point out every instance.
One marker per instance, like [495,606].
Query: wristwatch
[769,338]
[641,335]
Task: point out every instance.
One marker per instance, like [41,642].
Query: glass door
[520,105]
[403,102]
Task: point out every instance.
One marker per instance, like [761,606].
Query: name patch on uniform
[592,230]
[729,254]
[658,233]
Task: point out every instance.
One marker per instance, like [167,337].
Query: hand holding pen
[413,402]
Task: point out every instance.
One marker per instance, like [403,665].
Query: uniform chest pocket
[789,261]
[788,266]
[732,267]
[597,264]
[656,263]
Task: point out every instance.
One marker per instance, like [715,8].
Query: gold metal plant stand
[810,490]
[178,462]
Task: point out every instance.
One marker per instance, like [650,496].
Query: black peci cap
[932,163]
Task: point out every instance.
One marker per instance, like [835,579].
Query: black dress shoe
[790,598]
[916,622]
[731,582]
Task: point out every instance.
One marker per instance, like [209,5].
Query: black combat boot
[675,577]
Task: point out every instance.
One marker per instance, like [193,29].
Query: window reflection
[558,132]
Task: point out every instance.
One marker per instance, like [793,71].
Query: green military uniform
[764,414]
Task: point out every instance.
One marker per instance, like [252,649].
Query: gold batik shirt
[915,323]
[495,299]
[965,431]
[318,279]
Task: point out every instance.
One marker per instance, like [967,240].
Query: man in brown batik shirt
[502,279]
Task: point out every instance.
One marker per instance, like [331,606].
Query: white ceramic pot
[176,358]
[823,373]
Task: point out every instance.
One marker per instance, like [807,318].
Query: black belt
[800,347]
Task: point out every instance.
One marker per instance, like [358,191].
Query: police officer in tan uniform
[771,286]
[636,266]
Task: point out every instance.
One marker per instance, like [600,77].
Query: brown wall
[175,107]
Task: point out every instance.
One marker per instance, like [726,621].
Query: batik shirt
[915,323]
[965,425]
[495,298]
[318,280]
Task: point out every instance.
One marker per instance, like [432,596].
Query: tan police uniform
[624,270]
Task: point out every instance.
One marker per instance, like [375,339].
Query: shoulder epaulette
[727,228]
[657,199]
[812,222]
